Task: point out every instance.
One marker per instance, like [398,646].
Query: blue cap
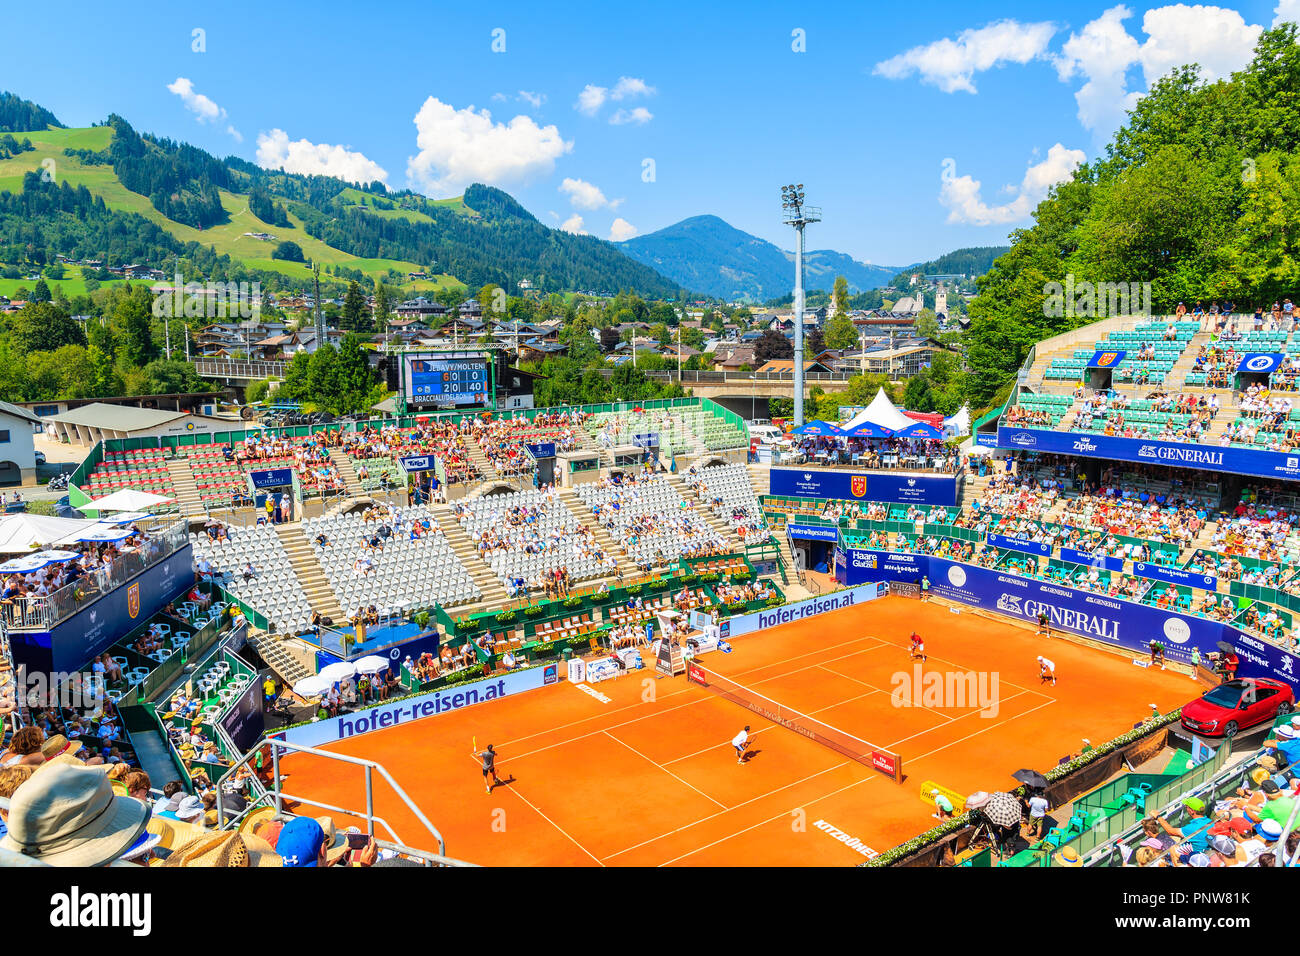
[300,842]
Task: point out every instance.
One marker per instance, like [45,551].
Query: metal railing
[44,612]
[212,368]
[279,796]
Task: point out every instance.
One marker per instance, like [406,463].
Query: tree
[356,380]
[383,306]
[840,295]
[927,324]
[814,341]
[289,251]
[44,327]
[609,339]
[840,333]
[772,346]
[132,328]
[41,292]
[354,317]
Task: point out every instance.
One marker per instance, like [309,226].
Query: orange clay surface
[650,778]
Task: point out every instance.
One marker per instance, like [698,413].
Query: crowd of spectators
[1106,412]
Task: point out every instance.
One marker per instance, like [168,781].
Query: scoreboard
[448,381]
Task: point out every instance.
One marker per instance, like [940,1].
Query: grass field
[227,238]
[72,284]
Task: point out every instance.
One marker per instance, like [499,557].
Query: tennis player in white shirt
[741,743]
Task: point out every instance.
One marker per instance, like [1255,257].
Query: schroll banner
[271,477]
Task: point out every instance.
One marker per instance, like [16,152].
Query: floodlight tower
[795,213]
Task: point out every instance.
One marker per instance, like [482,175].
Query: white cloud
[591,99]
[574,225]
[951,64]
[204,110]
[535,99]
[961,194]
[276,151]
[630,86]
[459,147]
[239,137]
[499,97]
[1286,11]
[1217,39]
[1104,52]
[621,229]
[585,195]
[638,115]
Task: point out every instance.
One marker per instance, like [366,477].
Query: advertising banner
[1241,461]
[424,705]
[1156,572]
[900,488]
[1019,544]
[271,477]
[758,620]
[863,566]
[1103,358]
[814,532]
[1260,363]
[1101,561]
[99,625]
[418,463]
[246,720]
[541,449]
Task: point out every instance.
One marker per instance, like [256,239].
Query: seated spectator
[25,748]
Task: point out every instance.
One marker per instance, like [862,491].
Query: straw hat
[68,816]
[54,746]
[234,850]
[1069,856]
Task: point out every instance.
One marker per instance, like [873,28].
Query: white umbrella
[24,532]
[372,664]
[339,670]
[105,533]
[60,555]
[126,517]
[312,686]
[24,565]
[128,499]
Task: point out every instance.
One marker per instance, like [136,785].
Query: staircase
[578,508]
[289,658]
[494,592]
[309,572]
[347,471]
[480,460]
[184,489]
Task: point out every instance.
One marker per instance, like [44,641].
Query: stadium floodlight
[798,215]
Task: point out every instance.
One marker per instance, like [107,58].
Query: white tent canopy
[128,499]
[958,424]
[882,413]
[20,533]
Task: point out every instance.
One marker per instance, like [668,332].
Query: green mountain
[111,193]
[972,261]
[709,255]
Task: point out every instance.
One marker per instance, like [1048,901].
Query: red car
[1237,704]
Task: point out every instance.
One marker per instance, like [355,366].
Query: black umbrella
[1030,778]
[1003,809]
[1224,646]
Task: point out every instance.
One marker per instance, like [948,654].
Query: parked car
[40,458]
[1236,705]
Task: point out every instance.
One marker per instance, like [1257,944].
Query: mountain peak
[708,254]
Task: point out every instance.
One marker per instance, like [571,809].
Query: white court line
[512,789]
[666,770]
[847,787]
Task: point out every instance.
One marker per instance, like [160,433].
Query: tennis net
[877,758]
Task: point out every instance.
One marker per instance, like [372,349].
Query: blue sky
[918,128]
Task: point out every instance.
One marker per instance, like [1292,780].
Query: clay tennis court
[650,777]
